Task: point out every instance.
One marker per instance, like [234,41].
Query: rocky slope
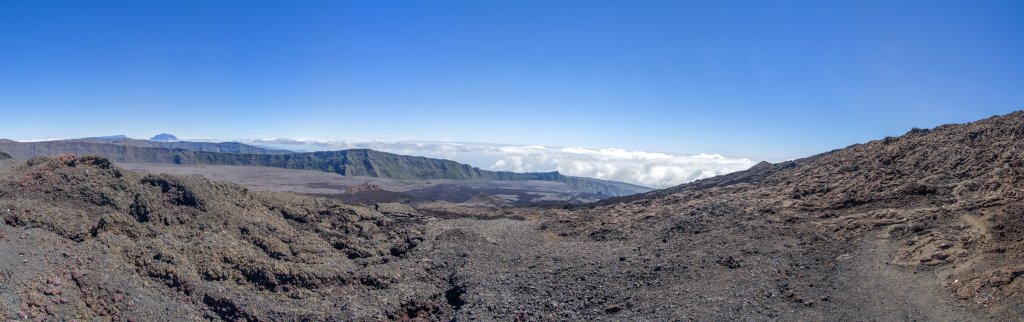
[356,162]
[926,226]
[84,239]
[943,203]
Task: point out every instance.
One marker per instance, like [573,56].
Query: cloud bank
[652,169]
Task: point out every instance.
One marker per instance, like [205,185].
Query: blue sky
[761,79]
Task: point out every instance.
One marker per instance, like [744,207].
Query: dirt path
[515,267]
[893,292]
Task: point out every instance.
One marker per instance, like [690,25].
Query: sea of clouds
[651,169]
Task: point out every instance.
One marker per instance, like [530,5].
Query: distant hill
[4,155]
[226,147]
[356,162]
[164,137]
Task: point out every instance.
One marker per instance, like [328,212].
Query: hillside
[359,162]
[84,239]
[935,213]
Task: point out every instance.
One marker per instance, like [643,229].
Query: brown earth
[926,226]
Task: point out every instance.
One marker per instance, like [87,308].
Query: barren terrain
[926,226]
[354,189]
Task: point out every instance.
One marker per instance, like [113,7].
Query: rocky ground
[926,226]
[370,190]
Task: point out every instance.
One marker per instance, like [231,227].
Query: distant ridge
[225,147]
[355,162]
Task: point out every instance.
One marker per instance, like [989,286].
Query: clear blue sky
[763,79]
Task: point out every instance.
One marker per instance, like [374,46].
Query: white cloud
[645,168]
[651,169]
[42,140]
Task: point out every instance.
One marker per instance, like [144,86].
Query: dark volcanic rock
[141,246]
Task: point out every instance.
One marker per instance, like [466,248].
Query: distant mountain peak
[164,137]
[761,164]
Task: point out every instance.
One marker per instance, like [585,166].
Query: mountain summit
[164,137]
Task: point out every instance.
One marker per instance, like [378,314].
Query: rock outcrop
[85,239]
